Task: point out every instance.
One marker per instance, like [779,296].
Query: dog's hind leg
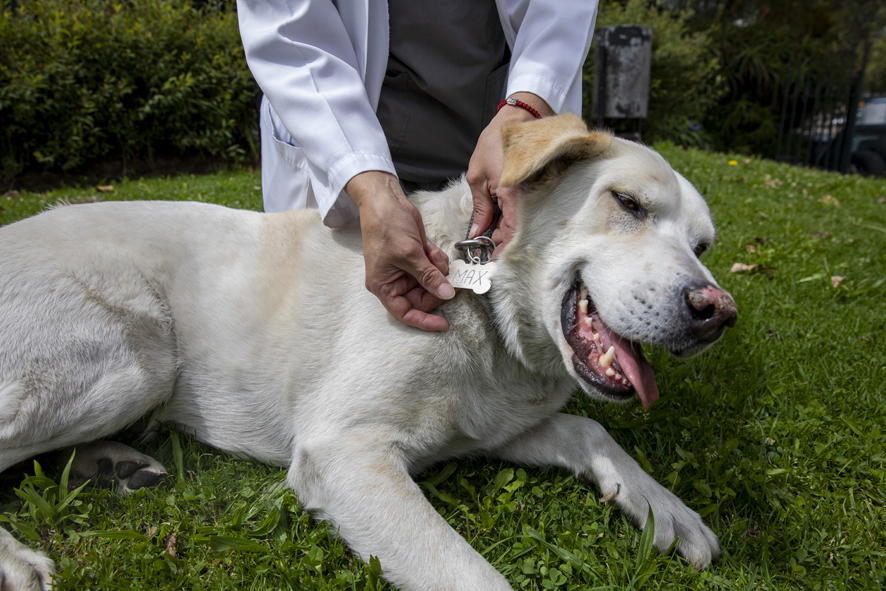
[104,462]
[584,446]
[369,499]
[81,357]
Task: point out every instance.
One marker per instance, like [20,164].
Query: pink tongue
[636,368]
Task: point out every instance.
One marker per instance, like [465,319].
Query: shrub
[83,80]
[686,81]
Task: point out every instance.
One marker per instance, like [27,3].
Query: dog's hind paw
[23,569]
[104,462]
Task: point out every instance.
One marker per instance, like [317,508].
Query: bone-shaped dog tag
[464,275]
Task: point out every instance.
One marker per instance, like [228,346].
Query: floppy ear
[531,147]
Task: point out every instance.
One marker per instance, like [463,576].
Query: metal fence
[819,109]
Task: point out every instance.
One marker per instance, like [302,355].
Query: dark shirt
[446,74]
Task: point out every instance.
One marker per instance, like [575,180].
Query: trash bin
[622,66]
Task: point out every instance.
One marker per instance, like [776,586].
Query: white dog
[254,333]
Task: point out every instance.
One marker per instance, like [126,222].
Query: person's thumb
[483,210]
[432,279]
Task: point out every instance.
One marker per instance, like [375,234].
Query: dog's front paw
[673,519]
[23,569]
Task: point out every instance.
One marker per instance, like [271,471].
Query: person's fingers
[410,303]
[483,208]
[430,277]
[507,225]
[439,258]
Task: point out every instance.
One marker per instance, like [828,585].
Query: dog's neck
[446,216]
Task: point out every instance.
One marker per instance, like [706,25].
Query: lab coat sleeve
[302,58]
[552,41]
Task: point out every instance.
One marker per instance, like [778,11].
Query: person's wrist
[526,106]
[365,187]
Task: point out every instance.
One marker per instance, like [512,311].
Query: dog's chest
[475,395]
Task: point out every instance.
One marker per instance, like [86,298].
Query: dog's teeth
[596,336]
[588,321]
[582,292]
[607,357]
[610,372]
[583,306]
[617,375]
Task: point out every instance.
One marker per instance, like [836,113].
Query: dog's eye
[626,201]
[699,249]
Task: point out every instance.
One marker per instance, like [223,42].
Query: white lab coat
[321,65]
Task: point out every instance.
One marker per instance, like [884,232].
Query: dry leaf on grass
[836,279]
[741,267]
[105,188]
[831,199]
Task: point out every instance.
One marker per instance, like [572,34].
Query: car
[869,142]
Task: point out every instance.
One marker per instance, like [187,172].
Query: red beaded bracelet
[515,103]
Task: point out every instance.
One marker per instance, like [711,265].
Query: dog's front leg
[584,446]
[370,500]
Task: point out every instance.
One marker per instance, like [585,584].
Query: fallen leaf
[880,199]
[836,279]
[831,198]
[751,248]
[740,267]
[105,188]
[13,194]
[747,160]
[171,545]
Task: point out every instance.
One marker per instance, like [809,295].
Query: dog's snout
[710,310]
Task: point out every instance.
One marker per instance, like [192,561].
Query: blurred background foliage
[83,81]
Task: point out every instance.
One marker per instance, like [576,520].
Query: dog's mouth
[612,364]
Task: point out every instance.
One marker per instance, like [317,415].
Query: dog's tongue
[635,367]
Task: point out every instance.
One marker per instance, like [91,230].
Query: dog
[254,333]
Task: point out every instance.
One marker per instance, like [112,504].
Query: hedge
[84,80]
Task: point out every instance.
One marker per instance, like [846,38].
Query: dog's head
[605,257]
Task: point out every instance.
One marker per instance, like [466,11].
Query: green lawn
[777,436]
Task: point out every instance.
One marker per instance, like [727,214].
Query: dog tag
[464,275]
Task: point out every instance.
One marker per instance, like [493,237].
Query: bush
[686,82]
[83,80]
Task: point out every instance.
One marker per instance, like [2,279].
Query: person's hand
[404,271]
[484,171]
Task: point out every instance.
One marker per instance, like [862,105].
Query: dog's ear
[532,147]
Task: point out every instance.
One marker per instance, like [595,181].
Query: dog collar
[478,250]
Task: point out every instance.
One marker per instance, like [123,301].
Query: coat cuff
[335,206]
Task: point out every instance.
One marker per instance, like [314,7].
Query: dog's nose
[710,310]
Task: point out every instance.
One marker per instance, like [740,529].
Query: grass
[776,436]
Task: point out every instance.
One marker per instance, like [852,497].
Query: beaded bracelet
[517,103]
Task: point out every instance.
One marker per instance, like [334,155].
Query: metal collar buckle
[476,249]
